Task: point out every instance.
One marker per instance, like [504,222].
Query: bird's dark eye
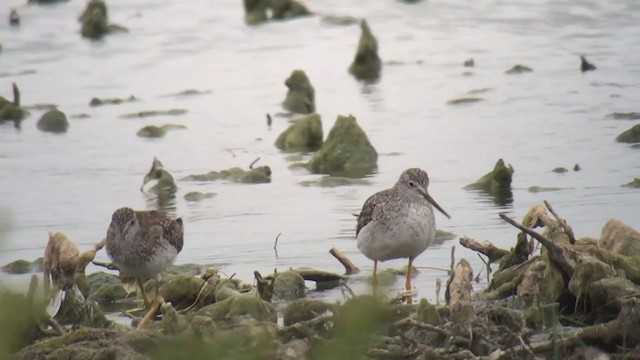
[412,184]
[132,222]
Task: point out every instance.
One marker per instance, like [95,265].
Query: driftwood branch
[349,267]
[109,266]
[459,288]
[486,248]
[563,223]
[566,258]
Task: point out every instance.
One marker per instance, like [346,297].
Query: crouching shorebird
[141,244]
[398,222]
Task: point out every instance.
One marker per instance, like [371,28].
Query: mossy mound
[496,183]
[110,101]
[240,306]
[301,96]
[105,288]
[635,183]
[182,290]
[464,100]
[304,135]
[499,178]
[630,136]
[288,285]
[149,113]
[95,21]
[165,182]
[255,11]
[287,9]
[261,174]
[54,121]
[366,65]
[518,69]
[198,196]
[304,310]
[152,131]
[347,150]
[258,11]
[19,267]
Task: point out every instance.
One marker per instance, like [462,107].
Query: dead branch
[567,259]
[254,162]
[486,248]
[563,223]
[109,266]
[275,245]
[408,321]
[349,267]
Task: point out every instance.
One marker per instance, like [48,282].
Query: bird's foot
[153,309]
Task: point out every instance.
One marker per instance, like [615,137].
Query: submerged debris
[518,69]
[153,131]
[261,174]
[148,113]
[111,101]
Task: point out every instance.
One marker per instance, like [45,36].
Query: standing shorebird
[398,222]
[142,244]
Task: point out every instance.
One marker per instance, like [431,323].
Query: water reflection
[163,201]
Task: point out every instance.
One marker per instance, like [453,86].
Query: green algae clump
[347,150]
[304,135]
[366,65]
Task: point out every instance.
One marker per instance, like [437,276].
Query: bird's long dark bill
[435,204]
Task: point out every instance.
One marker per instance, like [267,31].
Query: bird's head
[415,182]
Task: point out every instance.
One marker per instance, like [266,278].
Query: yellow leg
[153,309]
[375,278]
[145,299]
[408,282]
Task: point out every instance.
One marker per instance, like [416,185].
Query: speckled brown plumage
[398,222]
[142,243]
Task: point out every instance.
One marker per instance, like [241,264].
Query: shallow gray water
[554,116]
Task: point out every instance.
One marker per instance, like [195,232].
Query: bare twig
[275,245]
[488,266]
[423,326]
[349,267]
[567,229]
[438,289]
[346,287]
[109,266]
[254,162]
[453,257]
